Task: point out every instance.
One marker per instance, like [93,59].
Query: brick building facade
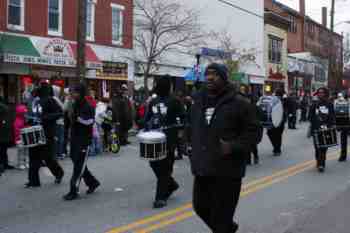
[308,36]
[38,40]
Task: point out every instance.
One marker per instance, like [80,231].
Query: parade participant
[344,129]
[304,105]
[224,129]
[81,135]
[60,152]
[5,135]
[292,107]
[244,92]
[45,111]
[169,110]
[275,134]
[122,115]
[321,114]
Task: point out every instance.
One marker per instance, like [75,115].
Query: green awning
[240,78]
[17,45]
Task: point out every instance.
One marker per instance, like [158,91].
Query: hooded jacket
[51,111]
[82,121]
[19,122]
[233,120]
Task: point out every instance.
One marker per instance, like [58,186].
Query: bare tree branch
[161,26]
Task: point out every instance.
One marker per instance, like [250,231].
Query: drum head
[151,137]
[277,113]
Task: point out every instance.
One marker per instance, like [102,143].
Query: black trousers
[303,116]
[255,154]
[292,120]
[124,134]
[320,156]
[79,156]
[275,135]
[344,142]
[215,200]
[163,170]
[39,154]
[3,156]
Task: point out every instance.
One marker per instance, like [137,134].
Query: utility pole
[332,15]
[81,40]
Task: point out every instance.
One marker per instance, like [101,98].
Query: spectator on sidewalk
[5,135]
[18,125]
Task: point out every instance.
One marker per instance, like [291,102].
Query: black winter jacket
[81,133]
[321,113]
[235,121]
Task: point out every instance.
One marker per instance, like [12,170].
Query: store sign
[58,48]
[52,61]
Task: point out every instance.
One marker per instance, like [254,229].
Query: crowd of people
[219,126]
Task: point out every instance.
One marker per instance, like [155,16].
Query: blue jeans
[60,140]
[96,147]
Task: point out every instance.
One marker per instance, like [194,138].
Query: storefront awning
[92,60]
[44,51]
[17,49]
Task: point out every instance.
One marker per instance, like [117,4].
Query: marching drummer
[276,132]
[321,116]
[45,111]
[341,107]
[163,111]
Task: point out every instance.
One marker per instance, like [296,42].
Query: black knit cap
[220,69]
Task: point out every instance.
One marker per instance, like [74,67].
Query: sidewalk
[333,217]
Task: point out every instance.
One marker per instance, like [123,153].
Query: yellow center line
[188,214]
[246,188]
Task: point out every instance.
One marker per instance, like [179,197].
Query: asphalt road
[278,194]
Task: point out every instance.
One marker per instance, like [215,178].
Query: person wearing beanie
[321,114]
[224,131]
[163,112]
[82,121]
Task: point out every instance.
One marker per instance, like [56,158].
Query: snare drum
[325,138]
[342,114]
[33,136]
[272,111]
[153,146]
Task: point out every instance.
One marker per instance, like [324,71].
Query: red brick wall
[3,15]
[36,20]
[103,29]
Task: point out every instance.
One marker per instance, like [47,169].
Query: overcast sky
[313,9]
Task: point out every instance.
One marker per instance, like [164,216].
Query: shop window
[117,24]
[15,14]
[90,19]
[55,17]
[275,50]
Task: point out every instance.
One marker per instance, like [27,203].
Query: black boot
[92,188]
[71,196]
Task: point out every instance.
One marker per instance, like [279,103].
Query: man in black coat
[170,109]
[5,135]
[321,115]
[45,111]
[224,130]
[122,115]
[292,107]
[82,121]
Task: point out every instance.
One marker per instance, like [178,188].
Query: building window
[293,27]
[55,17]
[15,18]
[275,50]
[90,19]
[117,24]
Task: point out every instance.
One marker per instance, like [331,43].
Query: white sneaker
[22,167]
